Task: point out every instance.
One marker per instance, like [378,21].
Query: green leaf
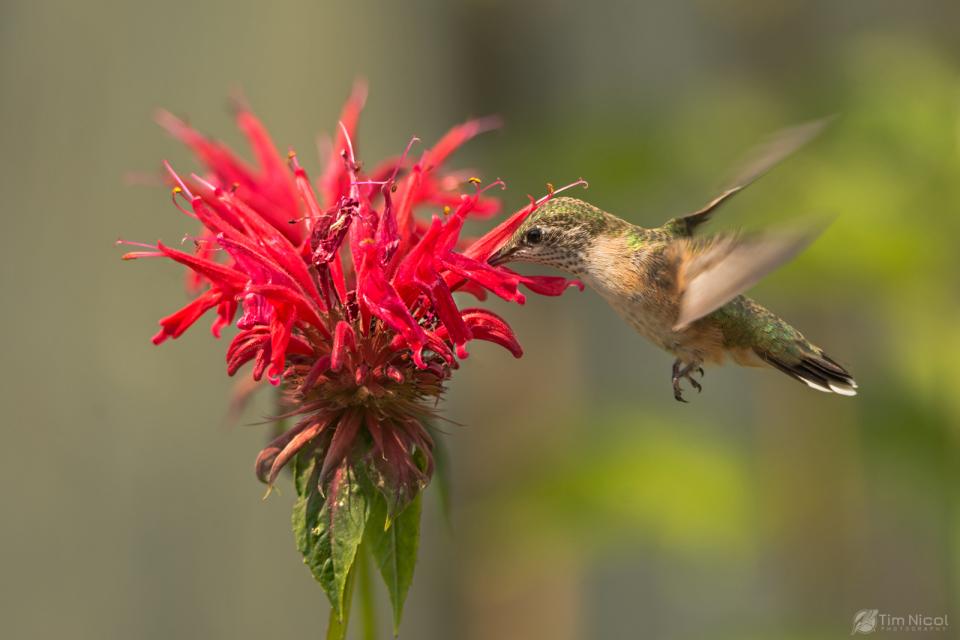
[394,549]
[302,466]
[306,512]
[347,508]
[329,529]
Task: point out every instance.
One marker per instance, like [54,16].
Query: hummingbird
[683,291]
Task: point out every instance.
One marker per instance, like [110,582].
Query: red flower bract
[345,297]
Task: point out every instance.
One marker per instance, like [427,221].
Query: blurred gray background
[587,502]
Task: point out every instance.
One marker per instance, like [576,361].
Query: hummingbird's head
[558,234]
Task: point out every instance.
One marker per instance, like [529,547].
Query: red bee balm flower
[345,301]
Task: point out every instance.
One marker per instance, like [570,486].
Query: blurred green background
[587,502]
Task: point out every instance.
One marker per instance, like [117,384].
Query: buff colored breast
[638,285]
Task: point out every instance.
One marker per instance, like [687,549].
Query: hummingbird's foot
[679,373]
[677,391]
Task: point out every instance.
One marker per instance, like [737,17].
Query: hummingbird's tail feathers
[817,371]
[758,161]
[711,273]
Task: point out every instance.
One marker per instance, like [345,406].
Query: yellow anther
[474,180]
[550,188]
[176,190]
[446,210]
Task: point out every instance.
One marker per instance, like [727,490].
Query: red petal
[485,246]
[281,327]
[226,311]
[455,138]
[343,438]
[500,282]
[317,370]
[176,323]
[279,452]
[213,271]
[280,294]
[214,155]
[343,342]
[335,181]
[448,313]
[548,285]
[488,326]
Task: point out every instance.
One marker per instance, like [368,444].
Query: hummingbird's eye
[534,236]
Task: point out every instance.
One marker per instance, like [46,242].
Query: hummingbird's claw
[685,372]
[677,391]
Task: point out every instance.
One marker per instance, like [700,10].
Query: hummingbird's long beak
[501,256]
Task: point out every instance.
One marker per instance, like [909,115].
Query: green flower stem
[336,628]
[368,607]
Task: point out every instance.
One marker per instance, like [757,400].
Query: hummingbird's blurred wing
[713,271]
[758,161]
